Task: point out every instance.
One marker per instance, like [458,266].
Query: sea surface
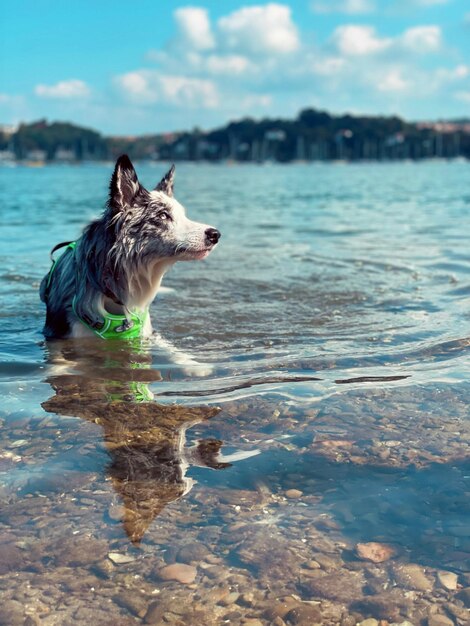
[311,466]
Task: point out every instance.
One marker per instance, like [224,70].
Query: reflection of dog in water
[145,440]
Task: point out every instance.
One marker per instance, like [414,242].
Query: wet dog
[104,283]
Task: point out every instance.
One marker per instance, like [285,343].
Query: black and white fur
[120,259]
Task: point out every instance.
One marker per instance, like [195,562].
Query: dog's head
[152,224]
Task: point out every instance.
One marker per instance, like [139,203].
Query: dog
[104,283]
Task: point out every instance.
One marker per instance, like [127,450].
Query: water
[329,409]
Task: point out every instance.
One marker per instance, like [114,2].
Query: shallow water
[329,409]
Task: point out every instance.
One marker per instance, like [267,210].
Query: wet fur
[120,259]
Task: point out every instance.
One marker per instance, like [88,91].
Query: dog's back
[56,291]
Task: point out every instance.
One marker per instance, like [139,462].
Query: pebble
[233,616]
[375,552]
[459,612]
[18,443]
[369,622]
[464,595]
[294,494]
[440,620]
[135,602]
[412,576]
[326,562]
[448,580]
[280,609]
[11,613]
[386,606]
[341,586]
[32,620]
[119,559]
[104,568]
[78,551]
[304,614]
[192,552]
[214,571]
[154,613]
[229,599]
[11,558]
[182,573]
[247,599]
[217,595]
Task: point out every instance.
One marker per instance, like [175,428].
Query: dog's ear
[124,185]
[167,182]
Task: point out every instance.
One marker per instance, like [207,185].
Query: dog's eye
[164,215]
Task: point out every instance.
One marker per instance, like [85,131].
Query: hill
[312,135]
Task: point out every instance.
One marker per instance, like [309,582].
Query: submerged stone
[182,573]
[192,552]
[119,559]
[375,552]
[464,595]
[304,614]
[448,580]
[412,576]
[133,601]
[294,494]
[11,558]
[440,620]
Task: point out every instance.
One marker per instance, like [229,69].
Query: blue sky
[150,66]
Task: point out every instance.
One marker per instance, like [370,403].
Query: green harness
[114,326]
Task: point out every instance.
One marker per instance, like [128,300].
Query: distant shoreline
[313,136]
[225,163]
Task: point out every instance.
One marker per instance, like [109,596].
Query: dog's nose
[212,235]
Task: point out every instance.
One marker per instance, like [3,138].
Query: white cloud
[454,74]
[356,40]
[196,64]
[461,71]
[463,96]
[65,89]
[227,64]
[194,27]
[350,7]
[135,84]
[422,39]
[262,29]
[392,81]
[361,40]
[150,87]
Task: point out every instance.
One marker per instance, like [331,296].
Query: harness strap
[71,245]
[117,326]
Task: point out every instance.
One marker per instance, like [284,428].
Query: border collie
[104,283]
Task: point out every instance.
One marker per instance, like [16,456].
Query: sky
[127,68]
